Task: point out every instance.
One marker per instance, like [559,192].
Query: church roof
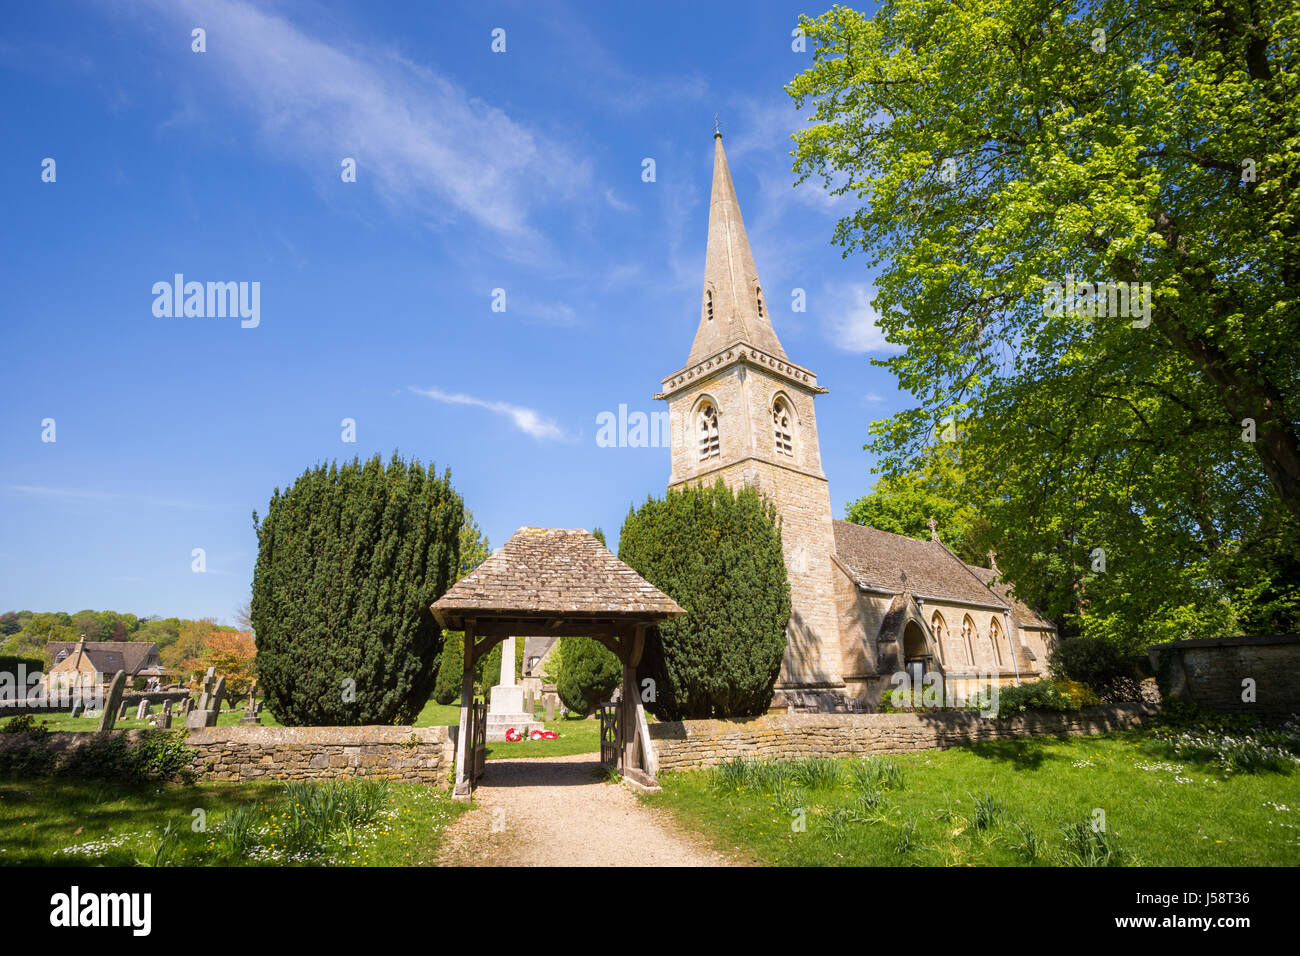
[739,309]
[1026,615]
[553,572]
[896,563]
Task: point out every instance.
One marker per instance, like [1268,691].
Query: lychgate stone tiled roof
[553,571]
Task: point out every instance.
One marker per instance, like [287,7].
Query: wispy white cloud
[90,495]
[422,141]
[852,324]
[527,420]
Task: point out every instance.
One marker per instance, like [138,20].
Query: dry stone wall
[1245,675]
[407,754]
[684,745]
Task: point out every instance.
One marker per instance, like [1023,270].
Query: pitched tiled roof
[1026,615]
[553,571]
[897,563]
[132,653]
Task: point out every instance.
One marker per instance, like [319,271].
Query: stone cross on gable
[934,529]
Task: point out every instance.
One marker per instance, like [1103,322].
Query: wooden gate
[611,736]
[477,741]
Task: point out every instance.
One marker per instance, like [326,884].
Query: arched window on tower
[708,431]
[782,429]
[995,638]
[939,628]
[968,635]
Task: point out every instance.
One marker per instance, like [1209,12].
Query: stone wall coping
[777,723]
[256,734]
[1230,641]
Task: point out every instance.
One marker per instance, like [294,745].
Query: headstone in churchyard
[251,710]
[142,711]
[550,707]
[113,701]
[166,718]
[206,716]
[121,712]
[186,706]
[205,697]
[77,707]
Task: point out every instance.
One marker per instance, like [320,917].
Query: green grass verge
[351,823]
[576,736]
[1004,803]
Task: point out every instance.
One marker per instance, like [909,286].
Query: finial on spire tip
[717,133]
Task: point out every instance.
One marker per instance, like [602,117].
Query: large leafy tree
[718,555]
[905,503]
[349,560]
[1141,471]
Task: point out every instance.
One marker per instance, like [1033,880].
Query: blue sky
[476,170]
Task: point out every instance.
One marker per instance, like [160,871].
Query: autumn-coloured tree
[232,653]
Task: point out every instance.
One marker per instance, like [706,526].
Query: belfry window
[758,295]
[781,430]
[708,303]
[708,431]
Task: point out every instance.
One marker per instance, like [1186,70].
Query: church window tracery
[782,432]
[710,446]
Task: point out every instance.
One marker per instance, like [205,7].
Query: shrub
[1115,674]
[1040,695]
[589,672]
[718,554]
[1080,695]
[451,668]
[349,560]
[24,724]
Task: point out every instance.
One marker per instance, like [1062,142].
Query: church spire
[735,306]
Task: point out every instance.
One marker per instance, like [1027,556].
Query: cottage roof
[132,655]
[553,572]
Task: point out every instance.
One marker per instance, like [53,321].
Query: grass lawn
[64,722]
[1004,803]
[64,823]
[576,736]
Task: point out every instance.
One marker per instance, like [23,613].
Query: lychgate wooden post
[464,742]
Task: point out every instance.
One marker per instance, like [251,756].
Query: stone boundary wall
[686,745]
[404,754]
[1210,672]
[407,754]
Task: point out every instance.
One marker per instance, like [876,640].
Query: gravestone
[186,706]
[121,711]
[205,696]
[252,711]
[142,711]
[166,719]
[77,707]
[550,707]
[114,706]
[206,716]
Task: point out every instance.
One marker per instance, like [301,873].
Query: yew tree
[349,559]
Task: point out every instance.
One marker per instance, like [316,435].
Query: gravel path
[560,811]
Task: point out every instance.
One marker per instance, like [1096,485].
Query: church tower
[742,411]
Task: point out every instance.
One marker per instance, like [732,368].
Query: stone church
[866,604]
